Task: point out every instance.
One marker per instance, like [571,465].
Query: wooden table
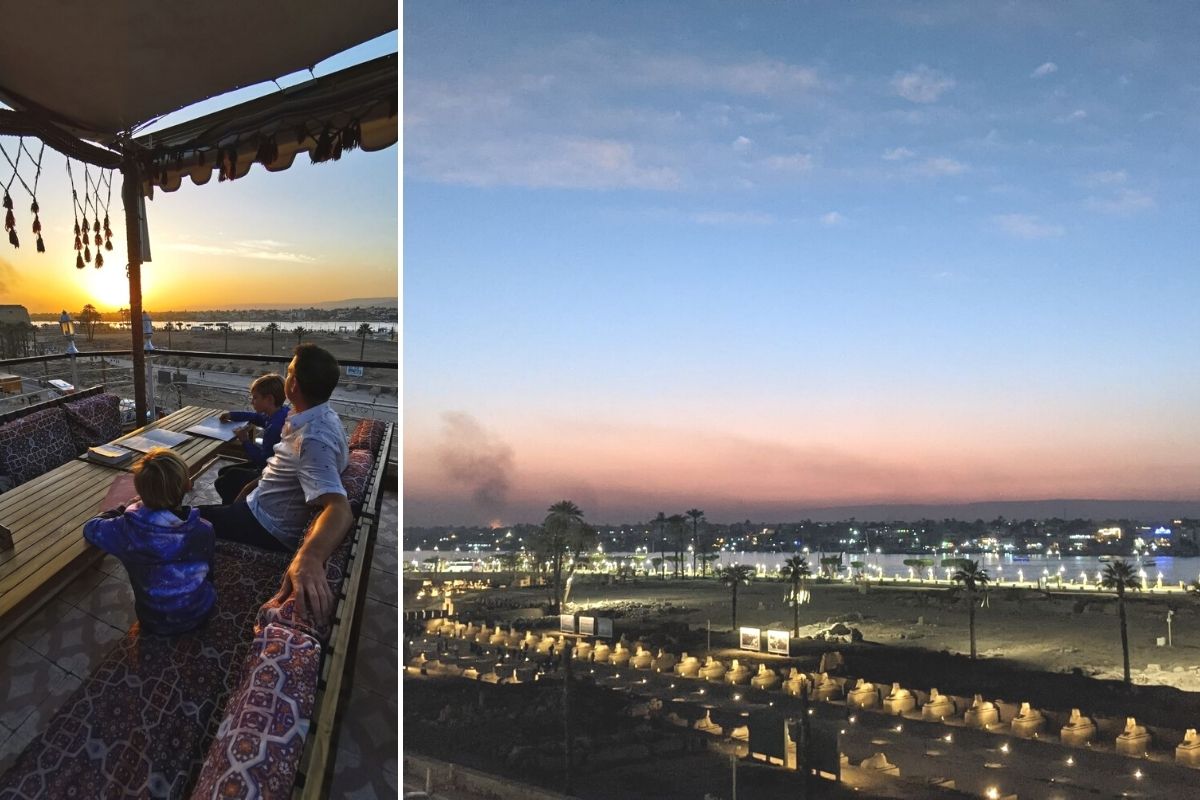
[46,517]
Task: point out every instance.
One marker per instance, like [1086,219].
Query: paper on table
[168,438]
[145,442]
[120,492]
[213,428]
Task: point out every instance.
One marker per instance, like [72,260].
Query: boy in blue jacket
[166,547]
[270,412]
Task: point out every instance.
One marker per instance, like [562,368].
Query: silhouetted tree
[1119,576]
[796,570]
[733,576]
[973,580]
[696,515]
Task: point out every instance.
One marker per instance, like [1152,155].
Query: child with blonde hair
[166,547]
[270,412]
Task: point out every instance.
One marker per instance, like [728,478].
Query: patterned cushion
[368,435]
[93,420]
[258,745]
[355,477]
[35,444]
[276,613]
[140,723]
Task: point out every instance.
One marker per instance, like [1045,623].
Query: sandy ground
[1025,627]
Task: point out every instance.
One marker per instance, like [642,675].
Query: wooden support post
[131,198]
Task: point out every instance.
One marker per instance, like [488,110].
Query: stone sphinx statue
[1188,751]
[688,667]
[865,695]
[1028,722]
[766,678]
[601,653]
[737,674]
[1078,731]
[899,701]
[981,714]
[1134,740]
[620,656]
[642,659]
[937,707]
[713,670]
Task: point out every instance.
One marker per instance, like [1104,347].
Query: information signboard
[587,626]
[779,642]
[566,623]
[750,639]
[604,627]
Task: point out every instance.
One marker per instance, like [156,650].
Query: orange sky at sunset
[306,235]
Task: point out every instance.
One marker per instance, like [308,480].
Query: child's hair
[269,385]
[161,479]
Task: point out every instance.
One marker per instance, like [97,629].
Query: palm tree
[675,521]
[796,570]
[661,522]
[564,516]
[363,330]
[88,318]
[696,515]
[1119,576]
[299,331]
[973,579]
[271,328]
[732,576]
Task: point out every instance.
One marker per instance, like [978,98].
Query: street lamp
[67,326]
[148,347]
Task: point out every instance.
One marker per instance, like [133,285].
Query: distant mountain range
[363,302]
[1143,510]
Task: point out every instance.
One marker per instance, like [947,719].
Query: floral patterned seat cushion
[368,435]
[260,740]
[35,444]
[93,420]
[355,477]
[139,725]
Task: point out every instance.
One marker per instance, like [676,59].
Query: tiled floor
[51,653]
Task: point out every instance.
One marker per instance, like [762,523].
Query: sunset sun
[107,287]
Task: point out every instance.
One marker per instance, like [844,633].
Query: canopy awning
[353,108]
[100,69]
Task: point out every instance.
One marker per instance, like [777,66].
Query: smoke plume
[476,460]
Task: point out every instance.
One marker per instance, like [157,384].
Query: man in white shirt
[303,474]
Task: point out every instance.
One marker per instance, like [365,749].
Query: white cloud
[263,250]
[750,77]
[922,85]
[1075,116]
[742,144]
[1045,69]
[1026,226]
[797,162]
[897,154]
[941,166]
[733,218]
[832,219]
[1106,178]
[1125,201]
[545,162]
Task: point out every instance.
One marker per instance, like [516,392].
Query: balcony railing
[188,377]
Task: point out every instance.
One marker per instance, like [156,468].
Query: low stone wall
[444,775]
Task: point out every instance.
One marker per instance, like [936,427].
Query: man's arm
[305,576]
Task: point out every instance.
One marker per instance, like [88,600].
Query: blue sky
[941,252]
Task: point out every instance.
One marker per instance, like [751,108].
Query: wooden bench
[337,666]
[46,516]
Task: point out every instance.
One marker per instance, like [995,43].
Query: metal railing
[186,377]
